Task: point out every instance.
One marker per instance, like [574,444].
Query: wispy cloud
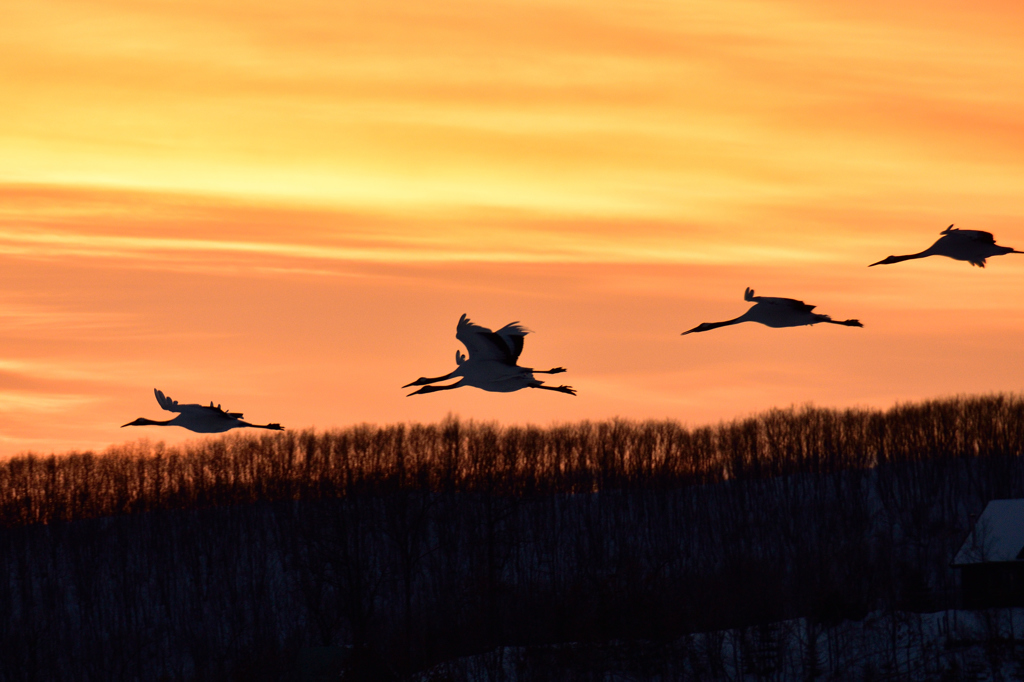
[23,316]
[553,249]
[28,401]
[659,110]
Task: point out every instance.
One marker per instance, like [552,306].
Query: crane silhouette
[491,364]
[199,418]
[775,312]
[973,246]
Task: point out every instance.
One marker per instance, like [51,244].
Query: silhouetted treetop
[505,460]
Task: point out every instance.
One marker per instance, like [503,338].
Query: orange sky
[285,207]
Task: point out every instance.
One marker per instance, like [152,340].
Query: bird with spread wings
[775,312]
[199,418]
[492,362]
[973,246]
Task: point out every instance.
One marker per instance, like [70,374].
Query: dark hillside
[419,544]
[485,458]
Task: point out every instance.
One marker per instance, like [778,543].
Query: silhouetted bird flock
[492,363]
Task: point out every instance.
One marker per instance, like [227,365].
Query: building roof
[998,535]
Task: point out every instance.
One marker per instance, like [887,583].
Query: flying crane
[492,362]
[200,418]
[775,312]
[973,246]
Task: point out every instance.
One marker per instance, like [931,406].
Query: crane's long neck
[930,251]
[142,421]
[457,372]
[715,325]
[910,256]
[708,326]
[433,389]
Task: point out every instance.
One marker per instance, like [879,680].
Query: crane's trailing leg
[561,389]
[556,370]
[272,427]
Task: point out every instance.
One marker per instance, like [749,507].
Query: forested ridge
[418,544]
[506,460]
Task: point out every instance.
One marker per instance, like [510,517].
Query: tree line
[416,545]
[504,460]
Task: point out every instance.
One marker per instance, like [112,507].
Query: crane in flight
[199,418]
[491,364]
[775,312]
[973,246]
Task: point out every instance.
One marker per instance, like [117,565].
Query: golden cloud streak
[26,401]
[566,250]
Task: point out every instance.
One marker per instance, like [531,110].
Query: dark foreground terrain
[419,551]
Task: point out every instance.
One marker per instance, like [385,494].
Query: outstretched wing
[167,403]
[790,303]
[977,236]
[484,344]
[512,336]
[980,237]
[173,406]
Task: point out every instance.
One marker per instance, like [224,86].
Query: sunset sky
[285,207]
